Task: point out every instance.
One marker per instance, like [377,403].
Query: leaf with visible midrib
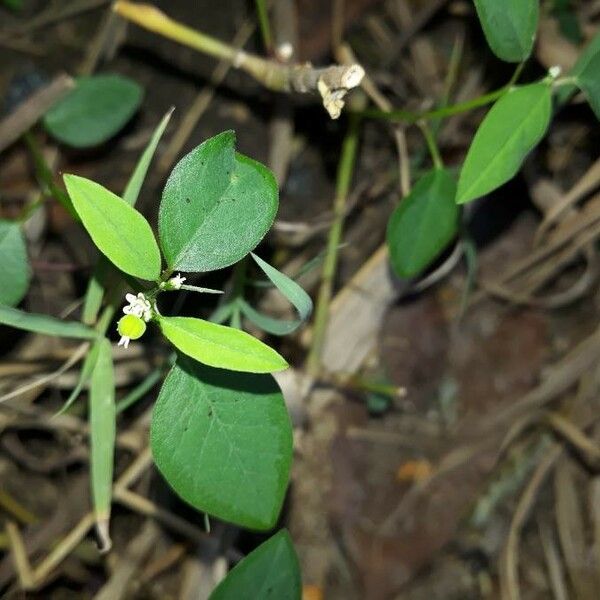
[119,231]
[15,265]
[223,441]
[423,224]
[221,346]
[510,130]
[509,26]
[271,571]
[44,324]
[216,207]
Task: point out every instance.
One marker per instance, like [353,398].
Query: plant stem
[332,82]
[438,163]
[344,179]
[265,26]
[45,178]
[445,111]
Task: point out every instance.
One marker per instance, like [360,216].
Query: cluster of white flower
[174,283]
[138,306]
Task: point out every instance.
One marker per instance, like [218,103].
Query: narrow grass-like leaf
[423,224]
[216,207]
[97,109]
[102,436]
[223,441]
[510,130]
[509,26]
[119,231]
[221,346]
[270,571]
[134,185]
[16,272]
[44,324]
[292,292]
[84,375]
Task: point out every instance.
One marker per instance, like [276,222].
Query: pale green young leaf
[223,441]
[102,437]
[509,26]
[216,207]
[44,324]
[510,130]
[292,292]
[96,110]
[220,346]
[97,283]
[270,571]
[16,272]
[423,224]
[119,231]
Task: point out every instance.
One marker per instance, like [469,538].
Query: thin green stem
[265,26]
[436,157]
[406,116]
[344,180]
[45,178]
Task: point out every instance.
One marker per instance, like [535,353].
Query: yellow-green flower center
[131,326]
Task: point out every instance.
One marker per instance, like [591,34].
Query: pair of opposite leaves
[216,207]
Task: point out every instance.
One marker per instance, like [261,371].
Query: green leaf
[15,266]
[510,130]
[44,324]
[221,346]
[120,232]
[223,441]
[94,111]
[98,281]
[13,4]
[134,185]
[293,293]
[216,207]
[590,54]
[423,224]
[587,74]
[271,571]
[85,375]
[102,437]
[509,26]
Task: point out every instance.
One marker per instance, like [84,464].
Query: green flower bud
[131,327]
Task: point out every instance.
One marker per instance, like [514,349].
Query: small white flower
[554,71]
[177,281]
[138,306]
[124,341]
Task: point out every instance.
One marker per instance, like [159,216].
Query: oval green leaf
[221,346]
[270,571]
[510,130]
[120,232]
[509,26]
[423,224]
[223,441]
[44,324]
[16,273]
[216,207]
[97,109]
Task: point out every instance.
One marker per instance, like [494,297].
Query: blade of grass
[102,434]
